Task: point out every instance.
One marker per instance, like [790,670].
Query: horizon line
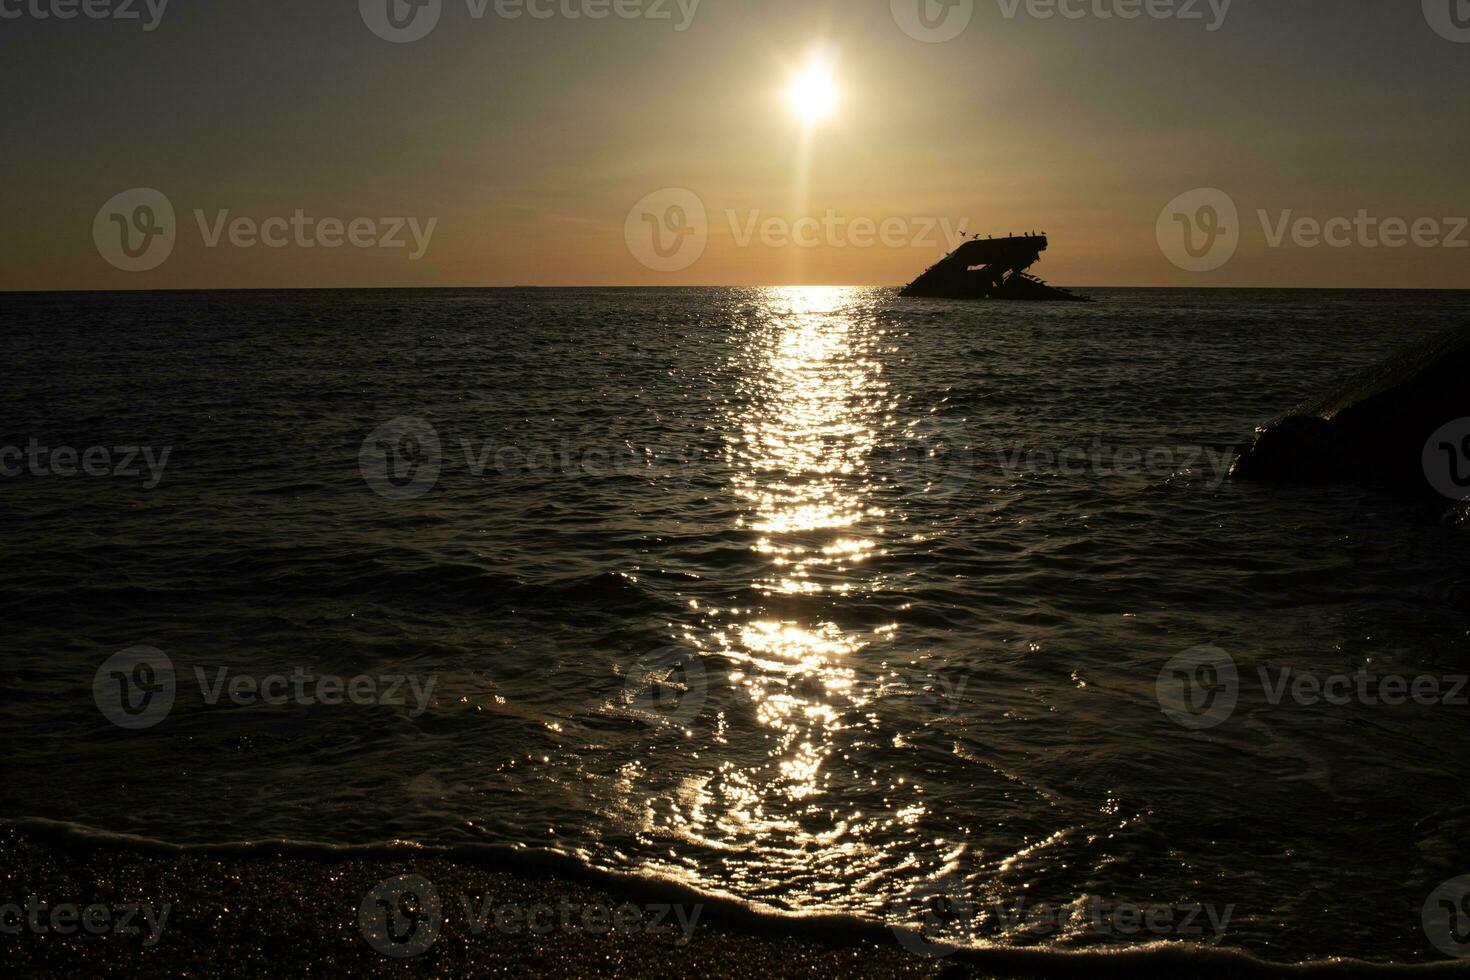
[632,286]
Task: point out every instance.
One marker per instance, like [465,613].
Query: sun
[813,94]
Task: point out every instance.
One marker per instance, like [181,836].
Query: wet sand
[271,915]
[275,911]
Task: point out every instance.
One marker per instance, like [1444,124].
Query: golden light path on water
[789,821]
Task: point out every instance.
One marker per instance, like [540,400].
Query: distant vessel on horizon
[990,268]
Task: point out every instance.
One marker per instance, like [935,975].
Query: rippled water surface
[814,597]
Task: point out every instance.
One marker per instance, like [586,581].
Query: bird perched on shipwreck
[990,268]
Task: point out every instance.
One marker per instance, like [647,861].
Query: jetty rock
[1403,424]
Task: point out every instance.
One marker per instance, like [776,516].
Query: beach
[234,915]
[276,909]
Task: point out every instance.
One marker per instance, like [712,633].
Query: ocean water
[816,598]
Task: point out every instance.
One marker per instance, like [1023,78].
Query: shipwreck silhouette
[990,268]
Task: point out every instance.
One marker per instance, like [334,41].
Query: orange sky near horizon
[516,151]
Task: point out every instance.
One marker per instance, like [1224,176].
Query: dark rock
[1375,428]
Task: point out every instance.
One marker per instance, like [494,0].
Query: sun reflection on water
[800,451]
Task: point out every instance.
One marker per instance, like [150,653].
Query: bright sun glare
[813,93]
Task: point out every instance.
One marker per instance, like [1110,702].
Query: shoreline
[274,906]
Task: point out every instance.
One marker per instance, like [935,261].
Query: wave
[1163,959]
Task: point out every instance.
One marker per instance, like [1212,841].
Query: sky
[308,145]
